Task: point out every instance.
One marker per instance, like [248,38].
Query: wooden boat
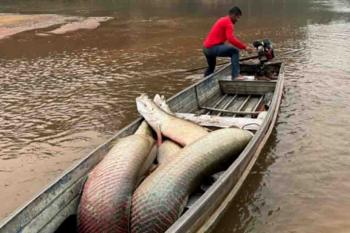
[54,209]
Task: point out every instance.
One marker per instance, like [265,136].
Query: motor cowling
[264,49]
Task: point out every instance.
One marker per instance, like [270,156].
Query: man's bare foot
[239,77]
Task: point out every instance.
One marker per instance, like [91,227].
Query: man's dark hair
[235,11]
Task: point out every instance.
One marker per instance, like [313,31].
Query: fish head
[149,110]
[160,101]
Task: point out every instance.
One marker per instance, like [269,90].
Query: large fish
[164,124]
[161,102]
[106,199]
[167,151]
[160,199]
[212,120]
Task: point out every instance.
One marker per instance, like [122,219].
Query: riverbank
[12,24]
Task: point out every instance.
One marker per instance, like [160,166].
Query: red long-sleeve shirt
[222,31]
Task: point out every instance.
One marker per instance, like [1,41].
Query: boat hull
[54,209]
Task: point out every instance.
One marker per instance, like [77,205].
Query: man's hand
[249,49]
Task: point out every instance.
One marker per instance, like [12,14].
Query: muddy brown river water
[63,95]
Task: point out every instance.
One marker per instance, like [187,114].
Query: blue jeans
[222,50]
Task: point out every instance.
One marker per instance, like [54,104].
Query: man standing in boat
[221,42]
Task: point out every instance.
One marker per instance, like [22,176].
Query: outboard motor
[265,53]
[265,50]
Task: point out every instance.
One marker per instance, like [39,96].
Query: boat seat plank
[247,87]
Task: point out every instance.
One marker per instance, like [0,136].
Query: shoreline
[12,24]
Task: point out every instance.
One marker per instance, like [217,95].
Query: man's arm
[232,39]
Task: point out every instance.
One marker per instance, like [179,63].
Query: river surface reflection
[62,95]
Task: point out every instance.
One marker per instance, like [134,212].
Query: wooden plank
[247,87]
[258,103]
[228,111]
[218,103]
[228,104]
[243,104]
[249,107]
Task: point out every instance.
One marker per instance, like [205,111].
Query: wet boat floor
[234,103]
